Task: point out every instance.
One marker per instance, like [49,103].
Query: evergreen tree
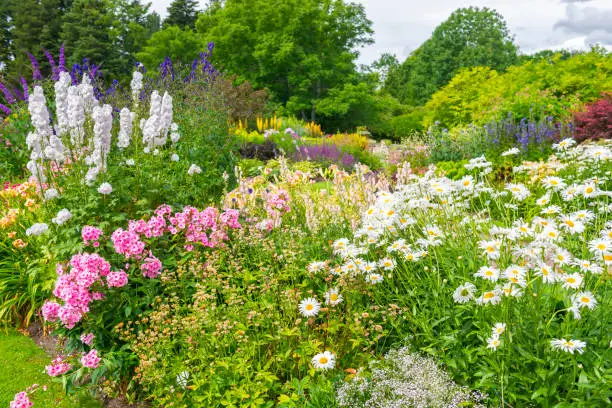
[152,23]
[182,13]
[35,27]
[6,43]
[87,33]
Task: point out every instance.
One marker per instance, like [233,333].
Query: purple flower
[62,59]
[8,95]
[54,69]
[6,110]
[24,85]
[36,75]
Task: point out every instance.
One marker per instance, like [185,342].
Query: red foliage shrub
[596,121]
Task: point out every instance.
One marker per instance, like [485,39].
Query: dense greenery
[469,37]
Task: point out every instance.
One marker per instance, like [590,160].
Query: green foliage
[298,49]
[470,37]
[182,13]
[454,170]
[180,45]
[35,26]
[408,123]
[537,88]
[358,105]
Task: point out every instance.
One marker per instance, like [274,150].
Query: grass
[22,363]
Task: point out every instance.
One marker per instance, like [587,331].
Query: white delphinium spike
[76,116]
[37,105]
[165,119]
[126,118]
[61,102]
[87,93]
[136,86]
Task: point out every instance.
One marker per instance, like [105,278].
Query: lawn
[22,363]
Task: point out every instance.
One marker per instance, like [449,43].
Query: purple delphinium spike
[5,109]
[54,69]
[18,94]
[36,75]
[75,73]
[8,95]
[62,59]
[24,85]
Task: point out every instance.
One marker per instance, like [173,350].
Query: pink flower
[70,316]
[90,233]
[127,243]
[151,267]
[91,359]
[21,401]
[87,338]
[50,311]
[58,367]
[117,279]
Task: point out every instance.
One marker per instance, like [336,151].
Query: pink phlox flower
[91,359]
[58,367]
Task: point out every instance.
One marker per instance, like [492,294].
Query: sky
[400,26]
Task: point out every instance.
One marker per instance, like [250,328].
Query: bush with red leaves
[596,121]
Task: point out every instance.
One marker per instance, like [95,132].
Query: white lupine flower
[62,216]
[194,169]
[512,152]
[126,119]
[136,86]
[130,162]
[105,188]
[175,157]
[37,229]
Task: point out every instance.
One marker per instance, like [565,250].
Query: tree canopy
[470,37]
[298,49]
[182,13]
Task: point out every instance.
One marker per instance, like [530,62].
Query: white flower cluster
[37,229]
[126,120]
[62,217]
[74,105]
[155,129]
[42,142]
[103,124]
[136,86]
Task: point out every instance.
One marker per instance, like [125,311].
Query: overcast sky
[400,26]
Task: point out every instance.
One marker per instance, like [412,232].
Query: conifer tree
[182,13]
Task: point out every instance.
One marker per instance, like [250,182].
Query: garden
[188,236]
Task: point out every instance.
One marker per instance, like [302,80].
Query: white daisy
[309,307]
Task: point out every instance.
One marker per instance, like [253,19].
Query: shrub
[408,123]
[595,122]
[538,88]
[405,379]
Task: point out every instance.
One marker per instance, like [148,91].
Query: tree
[182,13]
[87,33]
[298,49]
[182,46]
[152,23]
[6,43]
[128,33]
[35,25]
[469,37]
